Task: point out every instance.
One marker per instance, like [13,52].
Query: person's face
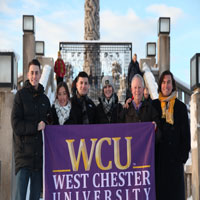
[62,96]
[137,89]
[108,91]
[82,85]
[34,75]
[166,86]
[146,93]
[134,58]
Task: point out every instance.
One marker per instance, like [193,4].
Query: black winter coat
[29,108]
[102,117]
[54,117]
[172,152]
[146,113]
[76,109]
[133,69]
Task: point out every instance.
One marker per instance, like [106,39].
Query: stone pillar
[28,51]
[6,145]
[163,52]
[195,143]
[45,61]
[92,32]
[92,22]
[150,61]
[92,68]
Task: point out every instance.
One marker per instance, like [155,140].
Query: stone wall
[6,145]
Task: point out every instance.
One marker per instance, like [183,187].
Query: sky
[120,21]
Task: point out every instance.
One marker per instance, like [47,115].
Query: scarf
[167,106]
[108,104]
[62,112]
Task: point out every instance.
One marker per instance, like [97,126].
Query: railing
[184,93]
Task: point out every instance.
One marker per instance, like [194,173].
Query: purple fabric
[110,175]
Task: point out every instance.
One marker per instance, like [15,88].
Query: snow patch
[150,81]
[45,76]
[193,122]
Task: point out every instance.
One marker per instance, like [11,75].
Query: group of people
[32,112]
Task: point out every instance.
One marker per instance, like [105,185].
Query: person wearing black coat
[139,110]
[83,108]
[29,116]
[172,149]
[108,109]
[133,69]
[61,110]
[146,113]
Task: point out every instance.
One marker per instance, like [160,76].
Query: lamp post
[150,59]
[28,23]
[8,75]
[195,71]
[39,48]
[163,44]
[164,25]
[150,49]
[195,121]
[28,42]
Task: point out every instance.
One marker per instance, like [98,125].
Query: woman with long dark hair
[61,109]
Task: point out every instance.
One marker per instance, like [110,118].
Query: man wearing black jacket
[29,115]
[82,106]
[133,69]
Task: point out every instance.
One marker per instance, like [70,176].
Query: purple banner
[99,162]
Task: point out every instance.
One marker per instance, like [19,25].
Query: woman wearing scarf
[173,147]
[108,109]
[61,109]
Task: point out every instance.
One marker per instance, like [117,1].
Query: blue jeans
[22,179]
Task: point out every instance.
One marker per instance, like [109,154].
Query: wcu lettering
[96,151]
